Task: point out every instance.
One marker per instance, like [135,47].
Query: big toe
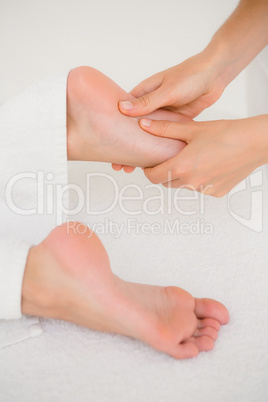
[209,308]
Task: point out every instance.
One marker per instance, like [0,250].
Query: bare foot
[97,131]
[68,277]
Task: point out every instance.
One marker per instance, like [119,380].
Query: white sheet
[70,363]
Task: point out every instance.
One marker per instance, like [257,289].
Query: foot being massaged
[68,275]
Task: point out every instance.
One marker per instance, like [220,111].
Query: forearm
[239,40]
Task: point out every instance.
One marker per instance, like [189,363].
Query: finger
[194,108]
[145,104]
[169,171]
[162,173]
[168,115]
[178,183]
[169,129]
[172,184]
[207,331]
[117,167]
[148,85]
[208,308]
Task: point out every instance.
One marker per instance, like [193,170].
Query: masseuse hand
[198,82]
[218,156]
[187,88]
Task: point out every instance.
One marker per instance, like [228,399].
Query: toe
[209,322]
[128,169]
[203,343]
[185,350]
[117,167]
[208,308]
[208,331]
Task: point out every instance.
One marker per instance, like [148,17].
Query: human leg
[68,276]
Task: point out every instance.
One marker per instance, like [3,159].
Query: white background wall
[126,40]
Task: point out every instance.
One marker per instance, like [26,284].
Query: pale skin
[102,133]
[219,154]
[68,275]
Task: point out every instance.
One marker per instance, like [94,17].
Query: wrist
[216,57]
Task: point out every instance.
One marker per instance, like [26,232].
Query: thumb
[147,86]
[169,129]
[143,105]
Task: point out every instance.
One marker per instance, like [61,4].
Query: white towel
[33,148]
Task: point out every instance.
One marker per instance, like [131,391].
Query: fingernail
[126,105]
[146,122]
